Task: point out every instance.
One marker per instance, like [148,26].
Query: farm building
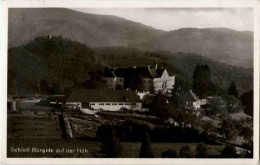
[143,78]
[112,100]
[190,101]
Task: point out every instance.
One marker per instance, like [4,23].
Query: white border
[125,4]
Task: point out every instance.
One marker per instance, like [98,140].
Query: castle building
[140,78]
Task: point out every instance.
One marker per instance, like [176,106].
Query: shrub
[229,152]
[169,154]
[146,149]
[228,129]
[185,152]
[247,133]
[110,146]
[201,151]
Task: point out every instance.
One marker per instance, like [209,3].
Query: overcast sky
[175,18]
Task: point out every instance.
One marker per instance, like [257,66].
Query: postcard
[134,82]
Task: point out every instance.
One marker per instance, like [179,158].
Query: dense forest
[53,64]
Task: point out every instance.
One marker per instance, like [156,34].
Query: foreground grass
[130,149]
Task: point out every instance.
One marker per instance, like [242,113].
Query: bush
[247,133]
[146,149]
[185,152]
[110,146]
[201,151]
[169,154]
[133,131]
[228,128]
[229,152]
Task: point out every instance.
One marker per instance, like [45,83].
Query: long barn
[112,100]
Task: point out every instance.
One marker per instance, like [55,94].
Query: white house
[190,101]
[111,100]
[164,83]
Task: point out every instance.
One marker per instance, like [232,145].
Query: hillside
[49,65]
[53,64]
[220,44]
[179,64]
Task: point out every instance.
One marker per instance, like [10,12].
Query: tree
[218,106]
[169,154]
[247,100]
[176,94]
[185,152]
[233,104]
[110,146]
[228,128]
[160,107]
[146,149]
[201,83]
[232,90]
[247,133]
[229,152]
[201,151]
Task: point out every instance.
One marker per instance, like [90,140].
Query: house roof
[190,96]
[110,74]
[155,73]
[92,95]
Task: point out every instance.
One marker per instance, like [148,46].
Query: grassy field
[130,149]
[27,126]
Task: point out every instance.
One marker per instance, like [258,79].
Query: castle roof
[143,72]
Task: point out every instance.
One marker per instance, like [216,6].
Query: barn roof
[190,96]
[92,95]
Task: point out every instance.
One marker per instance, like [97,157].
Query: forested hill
[180,64]
[51,63]
[47,63]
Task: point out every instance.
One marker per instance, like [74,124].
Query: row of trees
[111,147]
[203,86]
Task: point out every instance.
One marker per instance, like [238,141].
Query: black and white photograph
[125,82]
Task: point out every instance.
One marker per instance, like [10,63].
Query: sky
[175,18]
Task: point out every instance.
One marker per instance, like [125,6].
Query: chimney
[155,63]
[148,66]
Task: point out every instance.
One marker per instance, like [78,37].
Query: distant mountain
[220,44]
[90,29]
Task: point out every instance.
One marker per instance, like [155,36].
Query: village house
[111,100]
[190,101]
[145,78]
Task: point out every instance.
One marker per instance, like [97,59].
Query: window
[92,104]
[107,103]
[127,104]
[114,103]
[120,104]
[133,104]
[101,103]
